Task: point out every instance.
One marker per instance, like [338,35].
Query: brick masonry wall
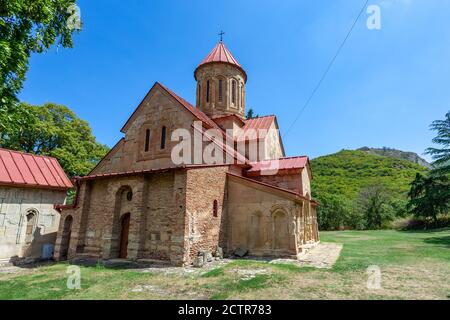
[156,218]
[204,231]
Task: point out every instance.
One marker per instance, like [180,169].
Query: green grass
[389,247]
[214,273]
[414,265]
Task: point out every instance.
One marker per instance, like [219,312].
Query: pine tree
[441,156]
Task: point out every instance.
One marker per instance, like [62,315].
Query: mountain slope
[347,172]
[398,154]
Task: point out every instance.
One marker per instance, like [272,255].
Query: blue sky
[384,89]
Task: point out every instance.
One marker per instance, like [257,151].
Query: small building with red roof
[30,186]
[187,180]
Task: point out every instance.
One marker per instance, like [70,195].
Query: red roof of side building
[221,54]
[29,170]
[255,125]
[283,164]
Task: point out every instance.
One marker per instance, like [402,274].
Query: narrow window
[163,137]
[31,221]
[207,91]
[220,90]
[238,94]
[147,140]
[215,208]
[233,91]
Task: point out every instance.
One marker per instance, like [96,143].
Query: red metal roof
[293,163]
[24,169]
[221,54]
[261,123]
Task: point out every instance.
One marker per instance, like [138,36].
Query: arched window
[31,223]
[208,89]
[215,208]
[163,137]
[130,195]
[147,140]
[220,90]
[233,91]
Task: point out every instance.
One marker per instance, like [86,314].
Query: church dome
[220,54]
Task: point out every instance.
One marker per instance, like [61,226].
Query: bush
[413,223]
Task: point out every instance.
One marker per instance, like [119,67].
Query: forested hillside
[348,183]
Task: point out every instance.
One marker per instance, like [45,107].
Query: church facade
[187,179]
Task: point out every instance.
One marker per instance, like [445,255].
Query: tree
[251,114]
[26,27]
[429,196]
[333,212]
[441,156]
[375,205]
[52,130]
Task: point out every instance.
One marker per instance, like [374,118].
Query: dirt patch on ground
[323,256]
[184,271]
[248,274]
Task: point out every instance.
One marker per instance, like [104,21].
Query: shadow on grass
[116,265]
[442,241]
[421,231]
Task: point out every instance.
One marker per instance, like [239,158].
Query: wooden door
[125,227]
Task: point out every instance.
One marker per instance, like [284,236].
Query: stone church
[141,203]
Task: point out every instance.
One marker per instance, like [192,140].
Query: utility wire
[327,69]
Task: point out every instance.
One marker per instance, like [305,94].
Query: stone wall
[292,182]
[157,110]
[226,73]
[267,222]
[272,144]
[299,182]
[24,237]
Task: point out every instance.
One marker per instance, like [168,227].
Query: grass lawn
[414,265]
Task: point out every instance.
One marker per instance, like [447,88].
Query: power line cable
[327,69]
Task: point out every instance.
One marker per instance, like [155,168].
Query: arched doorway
[124,204]
[65,238]
[124,231]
